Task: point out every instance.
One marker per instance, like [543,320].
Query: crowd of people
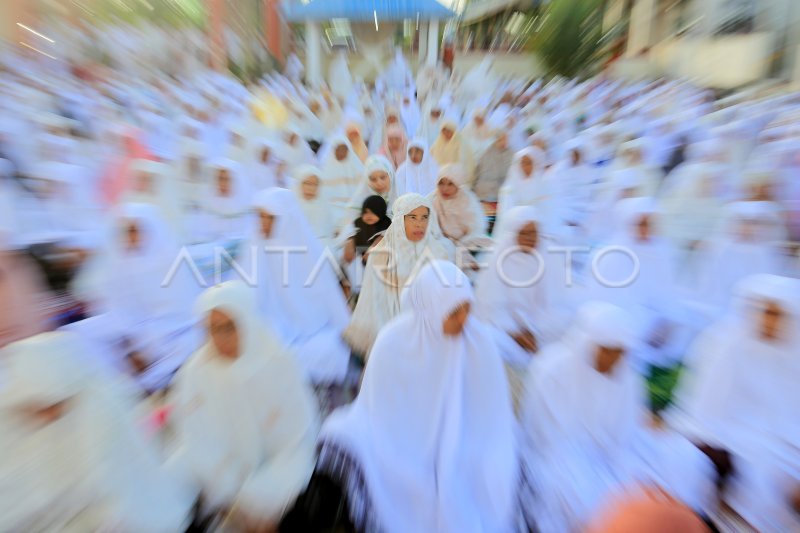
[431,302]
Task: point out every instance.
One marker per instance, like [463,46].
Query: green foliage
[568,40]
[170,12]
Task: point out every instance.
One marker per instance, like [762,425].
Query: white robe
[740,395]
[412,448]
[511,296]
[417,178]
[341,178]
[131,303]
[586,435]
[521,190]
[245,428]
[298,289]
[91,469]
[652,296]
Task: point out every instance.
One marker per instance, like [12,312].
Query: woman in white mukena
[74,454]
[740,399]
[428,444]
[586,432]
[245,419]
[298,290]
[520,294]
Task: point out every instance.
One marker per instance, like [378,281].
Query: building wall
[721,62]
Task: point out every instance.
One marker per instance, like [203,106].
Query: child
[372,222]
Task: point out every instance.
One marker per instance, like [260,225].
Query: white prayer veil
[411,448]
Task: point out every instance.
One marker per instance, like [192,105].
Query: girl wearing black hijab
[369,228]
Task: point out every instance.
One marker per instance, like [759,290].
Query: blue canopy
[365,10]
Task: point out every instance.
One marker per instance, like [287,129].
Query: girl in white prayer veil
[440,458]
[342,171]
[431,123]
[145,319]
[157,184]
[519,295]
[419,171]
[413,239]
[310,193]
[651,296]
[746,245]
[297,286]
[379,180]
[740,395]
[227,204]
[458,210]
[525,184]
[294,150]
[245,420]
[478,133]
[74,457]
[586,433]
[263,169]
[451,147]
[629,170]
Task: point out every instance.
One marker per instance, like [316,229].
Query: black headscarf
[367,232]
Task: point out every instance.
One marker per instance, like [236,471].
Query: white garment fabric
[740,395]
[430,127]
[527,190]
[341,178]
[142,302]
[317,210]
[480,137]
[521,291]
[294,150]
[245,428]
[410,113]
[749,243]
[58,211]
[91,468]
[297,287]
[417,178]
[585,432]
[572,187]
[228,214]
[630,172]
[443,458]
[390,267]
[156,183]
[264,174]
[461,218]
[651,296]
[339,78]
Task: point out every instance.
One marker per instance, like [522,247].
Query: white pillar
[423,45]
[313,57]
[640,34]
[433,42]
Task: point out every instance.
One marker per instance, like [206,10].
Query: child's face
[379,182]
[415,154]
[223,182]
[369,217]
[310,187]
[395,142]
